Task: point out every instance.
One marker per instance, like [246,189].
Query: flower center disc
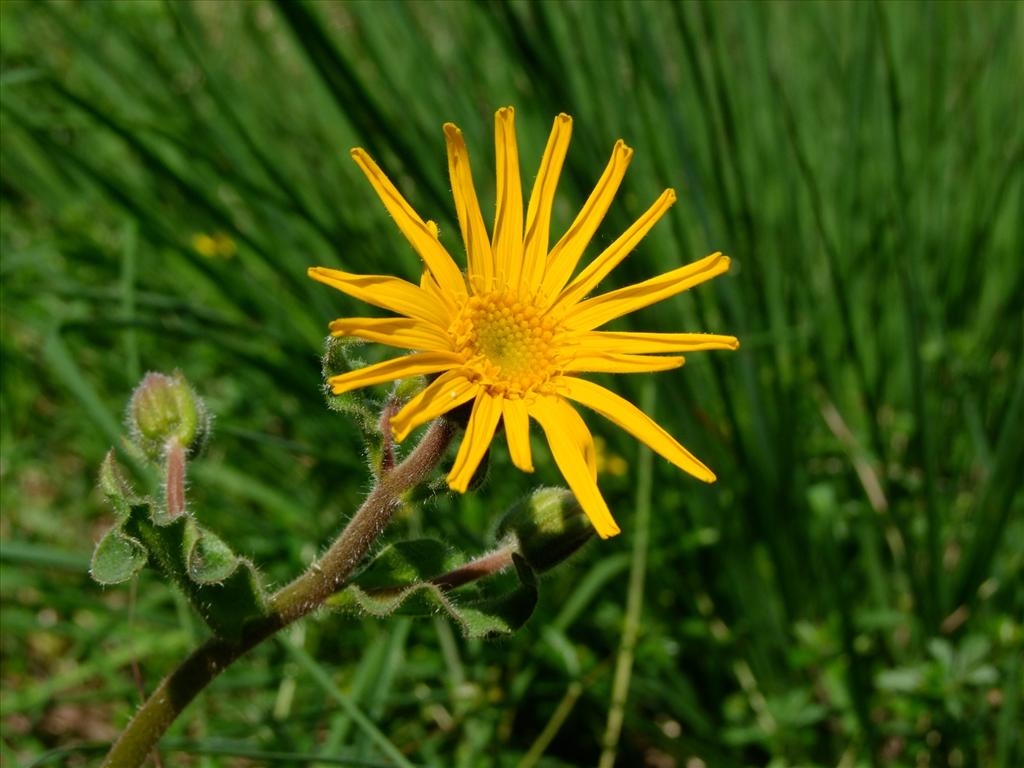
[511,343]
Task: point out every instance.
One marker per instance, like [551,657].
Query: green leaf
[224,588]
[973,651]
[505,613]
[942,651]
[338,358]
[500,615]
[901,679]
[401,581]
[208,559]
[117,558]
[986,674]
[227,607]
[406,562]
[115,487]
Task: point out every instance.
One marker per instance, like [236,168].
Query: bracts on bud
[166,409]
[547,528]
[168,422]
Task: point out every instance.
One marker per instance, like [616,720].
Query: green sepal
[117,558]
[399,582]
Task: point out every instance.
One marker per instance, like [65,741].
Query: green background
[849,592]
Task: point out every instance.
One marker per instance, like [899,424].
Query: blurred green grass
[848,593]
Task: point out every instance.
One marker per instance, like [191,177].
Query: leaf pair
[223,587]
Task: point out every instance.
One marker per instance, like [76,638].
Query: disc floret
[511,343]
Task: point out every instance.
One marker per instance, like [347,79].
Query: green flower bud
[548,527]
[165,408]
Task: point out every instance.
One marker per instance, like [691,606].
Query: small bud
[165,408]
[549,526]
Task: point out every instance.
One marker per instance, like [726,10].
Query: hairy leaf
[117,558]
[403,580]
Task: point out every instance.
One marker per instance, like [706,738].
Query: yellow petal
[606,307]
[479,431]
[386,292]
[448,391]
[403,332]
[599,268]
[397,368]
[641,343]
[566,254]
[416,231]
[626,415]
[471,222]
[508,216]
[538,213]
[577,429]
[517,431]
[429,284]
[572,464]
[616,362]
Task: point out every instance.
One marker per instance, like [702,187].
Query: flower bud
[548,526]
[165,408]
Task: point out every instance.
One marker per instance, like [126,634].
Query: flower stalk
[174,482]
[480,568]
[299,598]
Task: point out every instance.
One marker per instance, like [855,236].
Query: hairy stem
[481,568]
[305,594]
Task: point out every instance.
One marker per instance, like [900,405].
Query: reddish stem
[174,488]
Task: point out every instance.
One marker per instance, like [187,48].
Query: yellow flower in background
[515,331]
[217,245]
[608,462]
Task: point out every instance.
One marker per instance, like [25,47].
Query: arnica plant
[345,419]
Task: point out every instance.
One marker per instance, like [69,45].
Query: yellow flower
[608,462]
[217,245]
[515,331]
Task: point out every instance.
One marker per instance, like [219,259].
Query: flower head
[166,408]
[514,333]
